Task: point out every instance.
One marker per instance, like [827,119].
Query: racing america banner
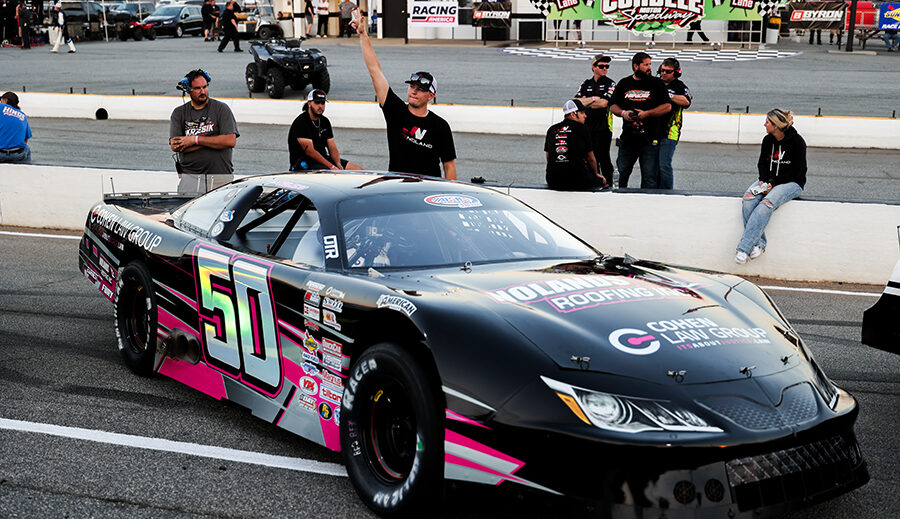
[889,16]
[434,14]
[816,15]
[492,14]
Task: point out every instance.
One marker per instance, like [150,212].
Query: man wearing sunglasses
[202,133]
[680,98]
[311,139]
[419,141]
[595,94]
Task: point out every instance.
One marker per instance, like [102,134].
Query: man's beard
[643,75]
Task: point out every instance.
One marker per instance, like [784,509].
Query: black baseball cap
[424,80]
[316,95]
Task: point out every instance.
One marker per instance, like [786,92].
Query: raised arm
[378,80]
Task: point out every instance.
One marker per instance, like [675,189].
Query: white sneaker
[740,258]
[756,252]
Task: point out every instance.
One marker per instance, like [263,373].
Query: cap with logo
[11,99]
[316,96]
[600,58]
[572,105]
[424,80]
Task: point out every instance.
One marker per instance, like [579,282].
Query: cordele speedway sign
[434,14]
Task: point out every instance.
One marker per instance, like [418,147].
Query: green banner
[652,15]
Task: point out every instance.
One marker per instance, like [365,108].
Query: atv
[277,63]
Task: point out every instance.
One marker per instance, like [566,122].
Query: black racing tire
[266,33]
[136,318]
[275,83]
[392,435]
[179,31]
[138,35]
[255,82]
[322,81]
[151,34]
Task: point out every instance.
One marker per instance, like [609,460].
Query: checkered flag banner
[543,6]
[717,3]
[767,7]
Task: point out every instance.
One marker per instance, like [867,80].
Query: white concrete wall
[841,132]
[825,241]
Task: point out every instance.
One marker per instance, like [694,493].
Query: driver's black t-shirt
[303,127]
[416,144]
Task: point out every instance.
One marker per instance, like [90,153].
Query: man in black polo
[229,27]
[571,165]
[642,102]
[419,141]
[595,94]
[311,139]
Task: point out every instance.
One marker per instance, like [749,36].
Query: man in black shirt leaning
[311,139]
[571,165]
[595,94]
[642,101]
[419,141]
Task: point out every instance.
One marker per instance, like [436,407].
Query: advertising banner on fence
[491,14]
[889,16]
[434,14]
[656,15]
[816,15]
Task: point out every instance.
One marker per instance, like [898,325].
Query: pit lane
[60,366]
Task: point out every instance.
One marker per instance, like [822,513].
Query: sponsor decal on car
[306,402]
[329,318]
[309,357]
[227,216]
[398,303]
[333,304]
[314,286]
[217,229]
[331,247]
[331,394]
[310,311]
[458,201]
[335,293]
[309,385]
[124,228]
[332,361]
[683,334]
[333,380]
[311,344]
[309,325]
[312,298]
[310,368]
[331,347]
[325,411]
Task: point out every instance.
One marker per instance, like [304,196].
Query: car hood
[152,19]
[643,320]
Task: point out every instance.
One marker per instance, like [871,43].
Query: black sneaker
[239,50]
[220,50]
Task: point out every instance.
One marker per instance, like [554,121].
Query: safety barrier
[828,132]
[808,240]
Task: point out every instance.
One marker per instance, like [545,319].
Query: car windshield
[422,230]
[167,11]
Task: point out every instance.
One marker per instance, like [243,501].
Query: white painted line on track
[194,449]
[821,291]
[39,235]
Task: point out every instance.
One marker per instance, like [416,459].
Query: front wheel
[135,318]
[151,34]
[138,35]
[266,33]
[392,434]
[322,81]
[275,83]
[255,82]
[179,31]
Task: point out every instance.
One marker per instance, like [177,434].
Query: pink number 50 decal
[237,319]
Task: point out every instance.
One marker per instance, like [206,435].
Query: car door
[195,20]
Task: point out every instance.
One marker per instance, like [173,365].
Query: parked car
[84,19]
[177,20]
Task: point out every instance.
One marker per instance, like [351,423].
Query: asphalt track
[60,366]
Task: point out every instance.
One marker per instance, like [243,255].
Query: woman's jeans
[757,209]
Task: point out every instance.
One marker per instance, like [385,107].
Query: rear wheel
[322,81]
[138,35]
[275,83]
[392,435]
[266,33]
[255,82]
[151,34]
[123,32]
[179,31]
[135,318]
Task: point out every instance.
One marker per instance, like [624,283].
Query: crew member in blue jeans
[782,175]
[681,98]
[14,130]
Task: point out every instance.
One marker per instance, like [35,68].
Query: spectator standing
[642,102]
[216,14]
[309,11]
[595,94]
[891,35]
[311,138]
[229,28]
[680,98]
[322,11]
[571,165]
[8,20]
[25,16]
[203,133]
[346,7]
[782,177]
[208,21]
[58,17]
[14,130]
[695,28]
[419,141]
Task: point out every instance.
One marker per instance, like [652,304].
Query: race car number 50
[237,318]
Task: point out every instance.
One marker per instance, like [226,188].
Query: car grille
[794,473]
[798,405]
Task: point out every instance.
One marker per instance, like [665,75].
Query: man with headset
[680,98]
[202,133]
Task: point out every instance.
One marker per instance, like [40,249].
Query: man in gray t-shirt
[203,133]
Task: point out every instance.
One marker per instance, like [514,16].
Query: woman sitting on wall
[782,175]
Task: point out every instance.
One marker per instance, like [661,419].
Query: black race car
[277,63]
[434,330]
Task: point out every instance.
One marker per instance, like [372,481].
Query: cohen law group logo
[634,341]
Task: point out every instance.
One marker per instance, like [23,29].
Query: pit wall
[808,241]
[826,132]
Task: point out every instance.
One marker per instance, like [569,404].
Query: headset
[185,84]
[671,61]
